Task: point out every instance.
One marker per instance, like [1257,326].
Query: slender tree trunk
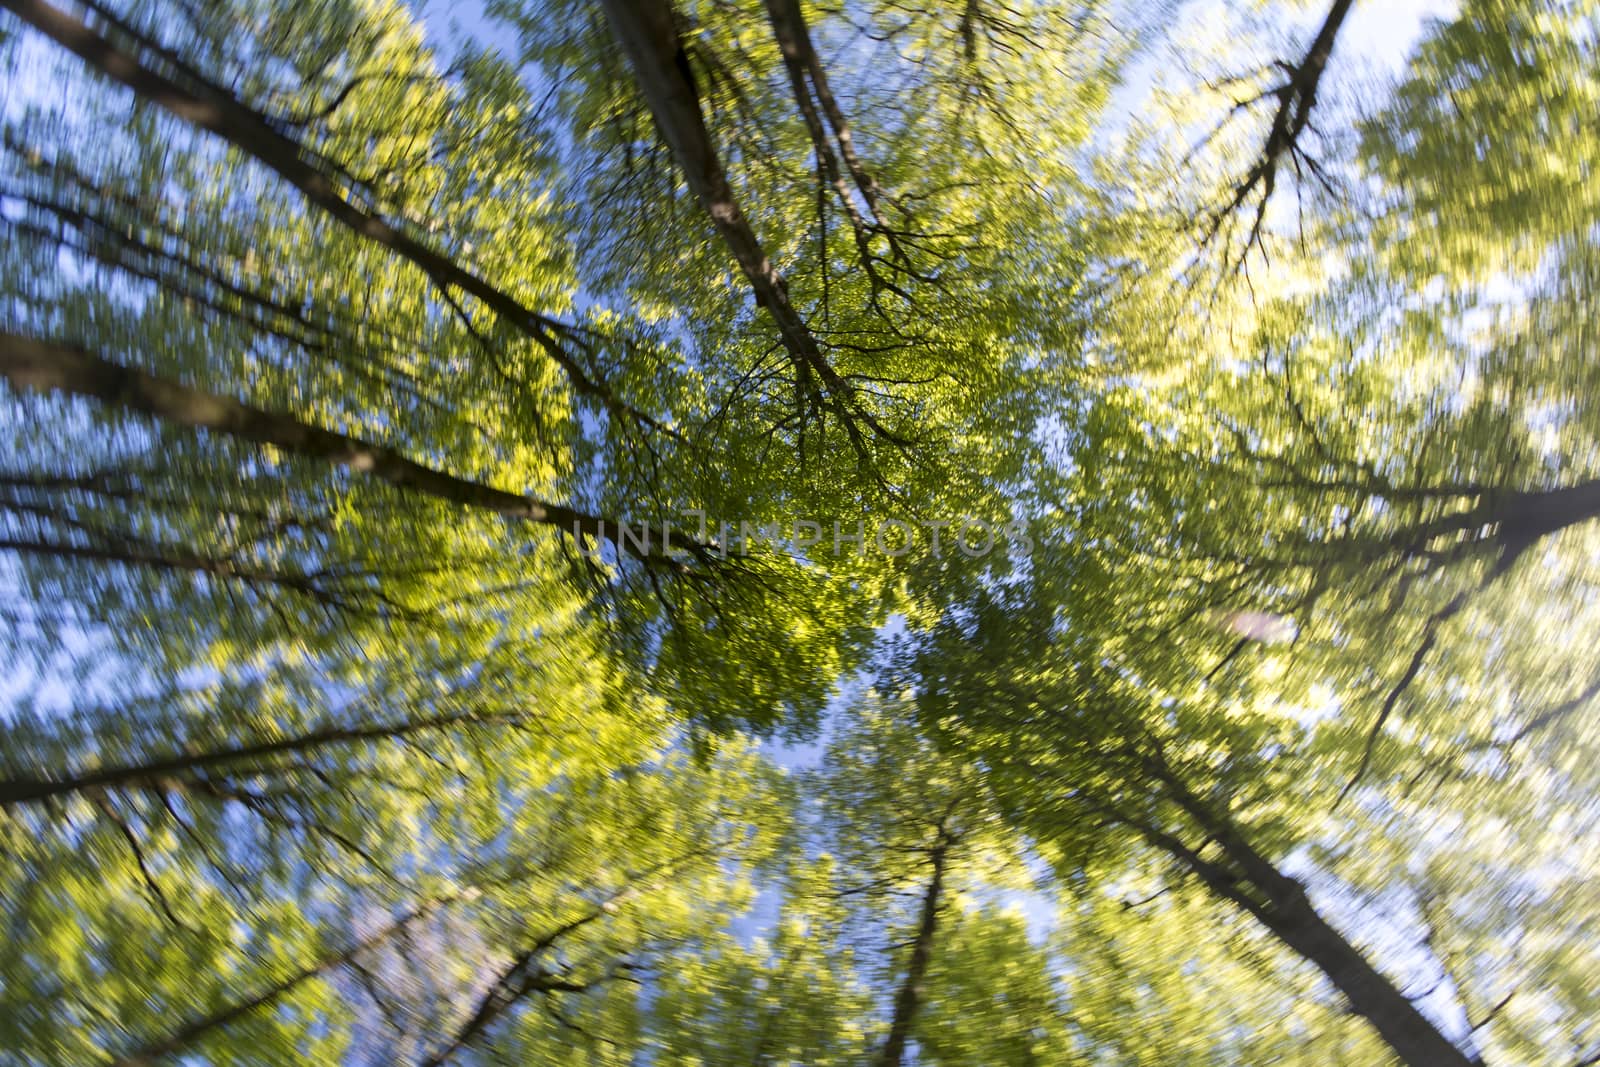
[163,557]
[523,977]
[1298,96]
[191,1032]
[794,40]
[789,30]
[526,975]
[649,38]
[1316,59]
[908,1001]
[213,108]
[30,790]
[32,364]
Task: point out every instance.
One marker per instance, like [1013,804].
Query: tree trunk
[30,790]
[190,1032]
[215,109]
[1527,518]
[1412,1037]
[1518,520]
[1280,903]
[908,1000]
[794,41]
[32,364]
[649,38]
[162,557]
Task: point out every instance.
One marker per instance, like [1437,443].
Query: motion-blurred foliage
[447,607]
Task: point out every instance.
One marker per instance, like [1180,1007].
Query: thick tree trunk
[908,1001]
[1525,519]
[1413,1038]
[1539,514]
[1280,903]
[215,109]
[1513,521]
[1283,908]
[32,364]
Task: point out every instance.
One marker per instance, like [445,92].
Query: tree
[436,469]
[1080,767]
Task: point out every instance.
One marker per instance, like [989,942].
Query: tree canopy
[716,532]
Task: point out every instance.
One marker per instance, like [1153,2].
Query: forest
[695,533]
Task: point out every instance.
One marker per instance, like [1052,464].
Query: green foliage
[365,736]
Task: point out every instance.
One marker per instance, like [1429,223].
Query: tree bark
[649,37]
[31,790]
[1520,519]
[1279,903]
[1412,1037]
[213,108]
[647,32]
[28,363]
[908,1001]
[1540,514]
[794,41]
[794,44]
[525,975]
[189,1033]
